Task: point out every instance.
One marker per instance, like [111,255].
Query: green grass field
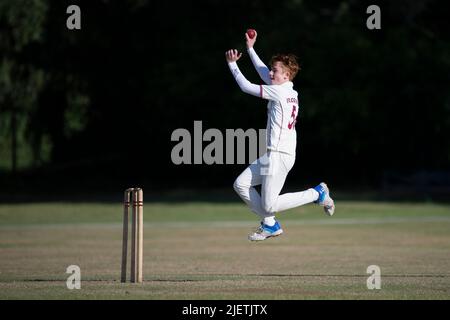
[199,250]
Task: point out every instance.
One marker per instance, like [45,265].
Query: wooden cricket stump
[135,197]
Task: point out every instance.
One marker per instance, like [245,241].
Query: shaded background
[92,110]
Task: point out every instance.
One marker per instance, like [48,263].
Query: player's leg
[273,182]
[273,177]
[291,200]
[244,186]
[272,185]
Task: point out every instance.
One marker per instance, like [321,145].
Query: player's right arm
[232,56]
[260,67]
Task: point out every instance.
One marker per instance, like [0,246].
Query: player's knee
[238,186]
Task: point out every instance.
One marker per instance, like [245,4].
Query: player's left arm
[232,56]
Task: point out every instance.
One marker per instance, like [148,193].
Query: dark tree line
[98,105]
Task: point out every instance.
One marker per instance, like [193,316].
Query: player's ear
[288,75]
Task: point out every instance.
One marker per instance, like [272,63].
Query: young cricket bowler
[270,171]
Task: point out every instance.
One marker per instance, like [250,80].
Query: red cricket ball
[251,33]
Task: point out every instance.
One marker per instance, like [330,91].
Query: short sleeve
[271,92]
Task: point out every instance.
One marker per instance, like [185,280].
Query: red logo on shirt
[294,117]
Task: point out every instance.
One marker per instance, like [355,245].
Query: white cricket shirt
[282,111]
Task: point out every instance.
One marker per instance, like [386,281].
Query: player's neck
[284,82]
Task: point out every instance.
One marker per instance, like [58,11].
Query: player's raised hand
[233,55]
[250,38]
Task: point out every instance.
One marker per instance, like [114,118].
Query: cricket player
[270,171]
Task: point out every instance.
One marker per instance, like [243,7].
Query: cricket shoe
[325,199]
[265,231]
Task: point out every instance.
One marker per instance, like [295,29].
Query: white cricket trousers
[270,171]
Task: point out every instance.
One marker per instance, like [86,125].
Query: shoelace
[258,230]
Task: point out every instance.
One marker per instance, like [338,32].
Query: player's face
[279,74]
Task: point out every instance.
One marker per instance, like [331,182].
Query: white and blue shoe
[325,199]
[265,231]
